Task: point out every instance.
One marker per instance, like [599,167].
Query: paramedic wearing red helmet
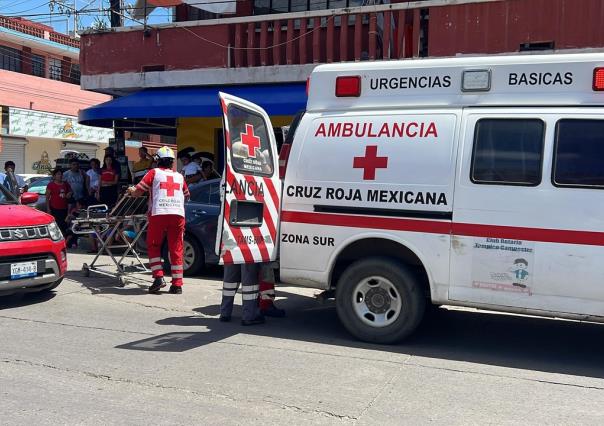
[168,192]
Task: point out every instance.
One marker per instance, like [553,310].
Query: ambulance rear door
[251,189]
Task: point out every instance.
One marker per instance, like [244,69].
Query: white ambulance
[470,181]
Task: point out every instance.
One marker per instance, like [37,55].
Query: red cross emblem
[370,162]
[250,140]
[170,186]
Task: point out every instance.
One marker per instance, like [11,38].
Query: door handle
[200,212]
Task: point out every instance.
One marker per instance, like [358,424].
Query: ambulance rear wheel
[379,300]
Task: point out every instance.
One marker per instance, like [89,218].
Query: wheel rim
[376,301]
[188,255]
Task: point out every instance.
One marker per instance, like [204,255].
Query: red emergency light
[598,83]
[348,86]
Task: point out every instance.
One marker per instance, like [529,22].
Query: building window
[38,65]
[10,59]
[4,120]
[74,74]
[508,151]
[54,68]
[579,154]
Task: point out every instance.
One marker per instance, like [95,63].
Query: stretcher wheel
[121,281]
[86,270]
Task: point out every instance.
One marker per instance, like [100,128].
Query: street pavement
[95,353]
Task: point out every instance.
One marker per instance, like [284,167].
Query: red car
[32,248]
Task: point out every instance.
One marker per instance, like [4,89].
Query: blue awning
[158,109]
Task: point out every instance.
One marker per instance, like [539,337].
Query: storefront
[192,115]
[36,139]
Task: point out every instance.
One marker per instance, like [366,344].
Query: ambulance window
[579,153]
[508,152]
[251,148]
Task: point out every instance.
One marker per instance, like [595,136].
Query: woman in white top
[93,179]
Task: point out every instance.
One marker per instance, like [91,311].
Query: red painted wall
[504,26]
[173,48]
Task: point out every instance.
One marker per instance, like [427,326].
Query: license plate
[23,270]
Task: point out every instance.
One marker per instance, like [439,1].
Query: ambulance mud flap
[248,225]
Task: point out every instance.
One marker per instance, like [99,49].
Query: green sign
[23,122]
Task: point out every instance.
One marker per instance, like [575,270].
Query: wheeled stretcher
[108,228]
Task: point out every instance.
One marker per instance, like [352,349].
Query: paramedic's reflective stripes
[177,271]
[156,264]
[561,236]
[143,186]
[248,292]
[229,289]
[268,294]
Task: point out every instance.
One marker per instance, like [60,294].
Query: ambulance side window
[579,154]
[508,151]
[250,144]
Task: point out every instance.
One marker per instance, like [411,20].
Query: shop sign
[23,122]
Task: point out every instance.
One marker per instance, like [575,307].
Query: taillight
[283,157]
[598,83]
[348,86]
[307,86]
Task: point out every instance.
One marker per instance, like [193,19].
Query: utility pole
[116,13]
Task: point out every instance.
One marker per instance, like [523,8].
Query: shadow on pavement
[100,284]
[539,344]
[135,284]
[25,299]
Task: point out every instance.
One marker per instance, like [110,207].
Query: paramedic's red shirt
[147,183]
[54,190]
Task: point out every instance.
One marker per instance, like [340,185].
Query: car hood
[18,215]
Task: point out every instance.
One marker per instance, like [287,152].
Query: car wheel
[379,300]
[193,256]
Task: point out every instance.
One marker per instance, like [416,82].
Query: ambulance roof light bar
[476,81]
[598,82]
[348,86]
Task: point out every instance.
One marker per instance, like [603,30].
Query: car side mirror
[29,198]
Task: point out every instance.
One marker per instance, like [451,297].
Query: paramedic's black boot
[175,289]
[225,318]
[273,311]
[158,283]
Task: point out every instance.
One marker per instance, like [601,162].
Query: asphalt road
[94,353]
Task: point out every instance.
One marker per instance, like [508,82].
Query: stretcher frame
[105,229]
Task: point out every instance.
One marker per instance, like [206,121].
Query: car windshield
[6,197]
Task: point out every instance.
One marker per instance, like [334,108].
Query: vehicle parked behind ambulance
[470,181]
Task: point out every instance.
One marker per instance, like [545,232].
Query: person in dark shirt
[207,170]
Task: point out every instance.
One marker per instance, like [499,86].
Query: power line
[34,8]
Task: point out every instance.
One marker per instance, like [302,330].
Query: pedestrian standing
[93,180]
[247,275]
[168,191]
[109,179]
[76,179]
[13,182]
[143,165]
[207,170]
[57,196]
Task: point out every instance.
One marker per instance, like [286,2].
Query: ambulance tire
[386,280]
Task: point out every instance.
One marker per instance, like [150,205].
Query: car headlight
[55,232]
